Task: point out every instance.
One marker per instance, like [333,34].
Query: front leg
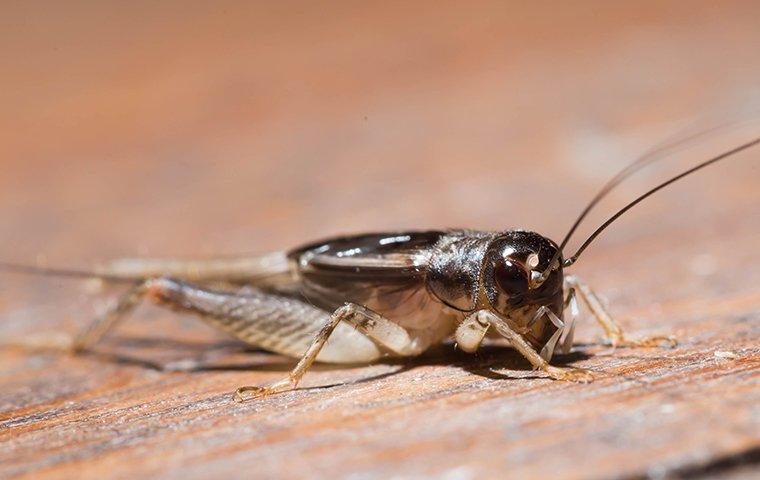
[527,351]
[615,334]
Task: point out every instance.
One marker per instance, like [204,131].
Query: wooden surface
[135,130]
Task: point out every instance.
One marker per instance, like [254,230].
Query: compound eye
[511,278]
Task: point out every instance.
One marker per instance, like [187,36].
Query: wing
[379,270]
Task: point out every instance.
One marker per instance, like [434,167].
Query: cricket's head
[513,263]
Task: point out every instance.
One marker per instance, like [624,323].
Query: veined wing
[374,255]
[371,269]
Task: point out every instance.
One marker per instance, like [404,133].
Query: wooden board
[138,130]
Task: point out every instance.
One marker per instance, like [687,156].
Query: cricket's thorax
[472,270]
[455,268]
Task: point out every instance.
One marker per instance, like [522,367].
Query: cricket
[360,298]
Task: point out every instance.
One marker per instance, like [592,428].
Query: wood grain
[192,130]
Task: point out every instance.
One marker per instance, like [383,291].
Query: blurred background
[197,129]
[216,128]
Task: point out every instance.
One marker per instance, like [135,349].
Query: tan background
[197,129]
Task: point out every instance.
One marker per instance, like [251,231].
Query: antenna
[656,153]
[659,187]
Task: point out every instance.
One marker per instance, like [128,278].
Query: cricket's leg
[280,324]
[104,323]
[382,331]
[385,333]
[615,334]
[93,332]
[289,326]
[470,333]
[101,325]
[291,381]
[527,351]
[571,305]
[271,270]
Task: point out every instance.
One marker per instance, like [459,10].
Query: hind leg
[280,324]
[99,327]
[104,323]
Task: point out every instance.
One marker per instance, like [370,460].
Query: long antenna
[659,187]
[658,152]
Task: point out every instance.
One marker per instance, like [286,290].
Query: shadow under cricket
[489,358]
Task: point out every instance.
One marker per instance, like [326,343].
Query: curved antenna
[659,187]
[658,152]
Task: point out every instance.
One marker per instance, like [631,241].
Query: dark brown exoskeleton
[360,298]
